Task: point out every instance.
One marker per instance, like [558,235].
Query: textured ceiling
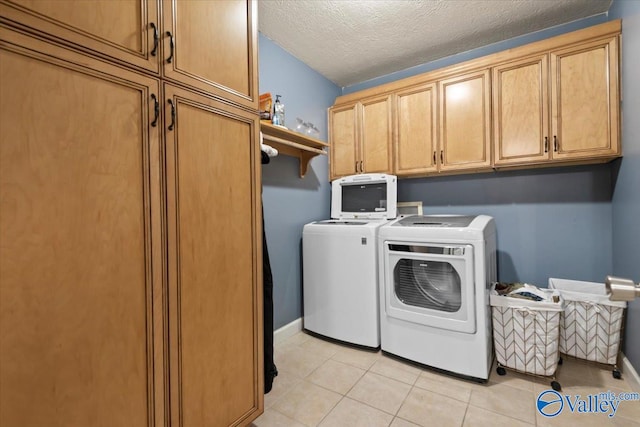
[350,41]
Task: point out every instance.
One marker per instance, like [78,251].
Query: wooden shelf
[292,144]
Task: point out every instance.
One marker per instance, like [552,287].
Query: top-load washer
[435,274]
[340,269]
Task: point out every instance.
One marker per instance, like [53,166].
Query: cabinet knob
[155,39]
[170,58]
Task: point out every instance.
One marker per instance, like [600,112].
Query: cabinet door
[585,100]
[520,112]
[81,257]
[215,275]
[343,141]
[465,126]
[416,130]
[376,134]
[214,47]
[121,31]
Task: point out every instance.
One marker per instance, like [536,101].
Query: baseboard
[630,374]
[287,331]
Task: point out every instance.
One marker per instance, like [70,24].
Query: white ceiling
[350,41]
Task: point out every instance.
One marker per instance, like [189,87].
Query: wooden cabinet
[213,46]
[585,101]
[207,45]
[121,31]
[215,297]
[521,111]
[416,125]
[465,122]
[81,266]
[571,115]
[444,126]
[552,102]
[343,139]
[130,255]
[360,135]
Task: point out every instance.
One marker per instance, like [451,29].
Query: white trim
[630,374]
[287,331]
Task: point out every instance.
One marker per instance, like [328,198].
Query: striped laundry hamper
[591,325]
[526,334]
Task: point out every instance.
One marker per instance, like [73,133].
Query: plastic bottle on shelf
[278,112]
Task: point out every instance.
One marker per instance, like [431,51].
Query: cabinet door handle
[441,157]
[170,58]
[173,114]
[356,166]
[546,144]
[434,157]
[555,143]
[156,110]
[361,167]
[155,39]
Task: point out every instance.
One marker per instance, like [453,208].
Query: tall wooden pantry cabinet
[130,232]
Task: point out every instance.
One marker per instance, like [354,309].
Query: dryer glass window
[434,285]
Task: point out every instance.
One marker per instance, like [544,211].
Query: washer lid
[338,222]
[441,221]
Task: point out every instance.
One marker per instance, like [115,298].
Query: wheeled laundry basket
[526,334]
[591,325]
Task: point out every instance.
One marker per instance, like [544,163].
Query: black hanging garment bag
[270,370]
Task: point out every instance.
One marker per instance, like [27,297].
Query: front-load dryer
[435,274]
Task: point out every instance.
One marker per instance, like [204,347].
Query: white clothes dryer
[435,274]
[340,260]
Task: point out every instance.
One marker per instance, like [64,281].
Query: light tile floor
[322,383]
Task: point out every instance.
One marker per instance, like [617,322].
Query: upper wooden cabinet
[443,126]
[124,31]
[465,122]
[360,137]
[208,45]
[558,107]
[343,140]
[521,111]
[416,125]
[213,46]
[585,101]
[552,102]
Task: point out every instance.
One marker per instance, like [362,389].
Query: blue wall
[290,201]
[550,222]
[626,173]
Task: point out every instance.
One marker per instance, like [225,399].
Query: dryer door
[430,284]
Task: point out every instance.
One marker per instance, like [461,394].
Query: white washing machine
[435,274]
[340,268]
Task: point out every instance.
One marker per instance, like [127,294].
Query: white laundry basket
[591,325]
[526,333]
